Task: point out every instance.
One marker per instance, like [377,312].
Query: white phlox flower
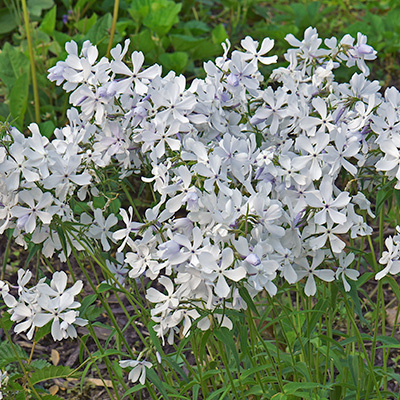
[138,372]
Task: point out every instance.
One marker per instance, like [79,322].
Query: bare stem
[32,62]
[114,23]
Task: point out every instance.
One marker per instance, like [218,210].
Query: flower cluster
[42,303]
[254,184]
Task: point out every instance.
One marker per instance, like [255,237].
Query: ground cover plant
[232,236]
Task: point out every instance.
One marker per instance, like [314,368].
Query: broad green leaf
[219,34]
[19,98]
[42,332]
[61,38]
[47,128]
[85,24]
[139,9]
[162,16]
[86,302]
[49,21]
[99,31]
[36,7]
[8,21]
[104,287]
[13,64]
[174,61]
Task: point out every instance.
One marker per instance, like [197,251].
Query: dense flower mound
[256,181]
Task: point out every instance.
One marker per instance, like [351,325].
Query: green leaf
[51,372]
[99,202]
[224,335]
[140,9]
[248,300]
[36,7]
[47,128]
[99,31]
[388,342]
[19,98]
[7,355]
[61,38]
[7,21]
[292,387]
[158,383]
[162,16]
[13,64]
[49,21]
[219,34]
[86,302]
[104,287]
[42,332]
[393,284]
[85,24]
[174,61]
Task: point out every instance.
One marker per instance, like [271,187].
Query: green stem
[361,344]
[114,23]
[21,364]
[32,62]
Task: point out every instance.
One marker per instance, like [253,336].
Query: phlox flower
[390,257]
[310,271]
[344,272]
[218,271]
[138,372]
[252,54]
[38,207]
[100,229]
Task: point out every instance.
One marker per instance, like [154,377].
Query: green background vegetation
[178,35]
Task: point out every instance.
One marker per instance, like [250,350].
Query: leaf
[226,337]
[7,355]
[36,7]
[51,397]
[292,387]
[84,24]
[61,38]
[42,332]
[139,9]
[105,287]
[219,34]
[19,98]
[51,372]
[47,128]
[158,383]
[388,342]
[248,300]
[393,285]
[86,302]
[49,21]
[7,21]
[99,31]
[13,64]
[162,16]
[174,61]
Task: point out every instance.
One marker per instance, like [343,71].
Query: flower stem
[114,23]
[32,62]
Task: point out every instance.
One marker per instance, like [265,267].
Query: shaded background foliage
[178,35]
